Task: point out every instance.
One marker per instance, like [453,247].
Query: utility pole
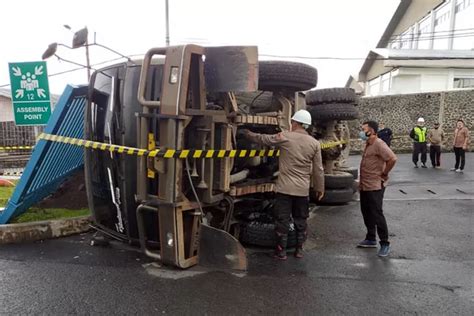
[88,61]
[167,38]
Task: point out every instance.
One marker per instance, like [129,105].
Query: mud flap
[220,250]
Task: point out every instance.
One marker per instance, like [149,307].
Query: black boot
[280,251]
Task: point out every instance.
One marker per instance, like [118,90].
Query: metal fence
[14,160]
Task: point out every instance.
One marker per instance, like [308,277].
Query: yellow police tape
[16,147]
[172,153]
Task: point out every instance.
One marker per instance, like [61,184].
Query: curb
[24,232]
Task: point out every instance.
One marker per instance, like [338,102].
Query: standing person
[436,139]
[418,134]
[300,157]
[461,140]
[377,161]
[385,134]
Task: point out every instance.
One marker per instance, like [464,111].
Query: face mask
[363,135]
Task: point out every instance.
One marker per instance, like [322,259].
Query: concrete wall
[400,112]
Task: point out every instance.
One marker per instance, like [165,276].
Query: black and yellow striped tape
[162,153]
[171,153]
[16,147]
[328,145]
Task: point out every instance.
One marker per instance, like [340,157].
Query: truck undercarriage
[195,101]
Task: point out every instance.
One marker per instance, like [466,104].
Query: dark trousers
[460,157]
[419,148]
[435,155]
[287,206]
[371,206]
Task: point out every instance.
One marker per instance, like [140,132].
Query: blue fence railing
[51,162]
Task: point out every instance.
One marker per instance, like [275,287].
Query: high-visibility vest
[420,134]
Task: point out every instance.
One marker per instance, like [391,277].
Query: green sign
[30,93]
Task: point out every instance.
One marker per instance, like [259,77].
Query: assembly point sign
[30,93]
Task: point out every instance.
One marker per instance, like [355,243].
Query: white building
[6,110]
[428,46]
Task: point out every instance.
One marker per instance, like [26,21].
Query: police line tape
[16,147]
[173,153]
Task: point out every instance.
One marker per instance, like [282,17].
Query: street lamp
[80,39]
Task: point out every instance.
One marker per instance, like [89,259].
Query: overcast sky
[312,28]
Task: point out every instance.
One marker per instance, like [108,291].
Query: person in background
[436,139]
[385,134]
[418,134]
[461,140]
[377,161]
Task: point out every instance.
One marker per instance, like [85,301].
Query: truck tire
[277,75]
[351,170]
[263,234]
[336,196]
[333,111]
[338,180]
[331,95]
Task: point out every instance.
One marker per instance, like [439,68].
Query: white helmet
[421,120]
[303,117]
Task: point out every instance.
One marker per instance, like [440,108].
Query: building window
[386,82]
[374,86]
[463,83]
[442,18]
[463,4]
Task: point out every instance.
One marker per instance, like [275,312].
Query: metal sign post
[30,93]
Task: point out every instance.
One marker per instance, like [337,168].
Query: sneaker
[452,169]
[280,253]
[416,166]
[458,170]
[438,167]
[367,244]
[384,251]
[424,166]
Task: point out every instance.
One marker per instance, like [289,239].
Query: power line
[430,33]
[79,68]
[362,58]
[429,38]
[276,56]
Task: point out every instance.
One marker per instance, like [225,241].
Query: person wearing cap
[460,143]
[436,139]
[418,134]
[377,162]
[300,158]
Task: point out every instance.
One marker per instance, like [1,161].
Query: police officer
[300,158]
[418,134]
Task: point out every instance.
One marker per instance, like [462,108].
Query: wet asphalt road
[430,270]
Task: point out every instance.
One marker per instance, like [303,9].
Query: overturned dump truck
[204,186]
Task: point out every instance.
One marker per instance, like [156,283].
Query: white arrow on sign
[16,71]
[19,93]
[40,93]
[38,70]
